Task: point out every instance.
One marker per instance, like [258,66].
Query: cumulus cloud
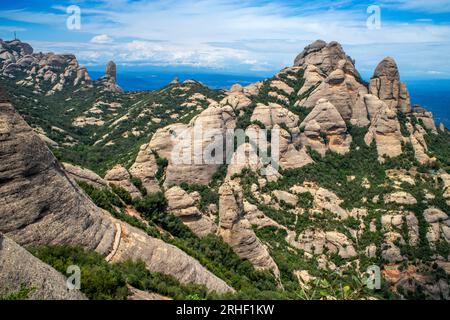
[254,35]
[101,39]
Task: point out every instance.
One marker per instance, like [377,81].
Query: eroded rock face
[236,230]
[38,200]
[341,88]
[120,177]
[326,57]
[315,241]
[323,199]
[182,205]
[426,117]
[325,129]
[145,168]
[439,225]
[41,205]
[400,197]
[82,174]
[385,130]
[19,268]
[418,142]
[274,114]
[193,150]
[386,85]
[111,70]
[109,80]
[41,71]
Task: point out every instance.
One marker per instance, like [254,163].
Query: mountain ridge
[363,178]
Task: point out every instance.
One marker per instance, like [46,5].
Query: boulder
[145,168]
[120,177]
[400,197]
[326,57]
[324,129]
[182,205]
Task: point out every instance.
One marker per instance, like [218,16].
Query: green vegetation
[22,294]
[101,280]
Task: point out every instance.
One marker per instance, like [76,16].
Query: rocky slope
[42,205]
[19,269]
[359,177]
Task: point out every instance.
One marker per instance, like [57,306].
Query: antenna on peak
[15,36]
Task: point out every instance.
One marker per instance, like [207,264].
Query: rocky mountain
[354,176]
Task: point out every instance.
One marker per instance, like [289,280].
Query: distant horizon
[241,37]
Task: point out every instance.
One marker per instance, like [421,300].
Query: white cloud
[102,39]
[256,35]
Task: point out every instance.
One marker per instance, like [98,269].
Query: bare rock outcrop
[426,117]
[315,242]
[386,85]
[291,154]
[45,73]
[236,230]
[194,151]
[164,258]
[145,168]
[342,89]
[325,129]
[38,200]
[326,57]
[41,205]
[85,175]
[439,225]
[400,197]
[385,130]
[182,205]
[323,199]
[109,80]
[20,269]
[120,177]
[274,114]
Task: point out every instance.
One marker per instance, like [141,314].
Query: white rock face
[400,197]
[324,121]
[145,169]
[273,114]
[189,148]
[182,205]
[315,241]
[323,199]
[439,225]
[41,71]
[236,230]
[120,177]
[385,130]
[386,85]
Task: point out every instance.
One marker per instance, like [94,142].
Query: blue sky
[237,36]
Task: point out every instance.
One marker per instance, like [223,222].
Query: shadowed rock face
[111,70]
[19,268]
[37,198]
